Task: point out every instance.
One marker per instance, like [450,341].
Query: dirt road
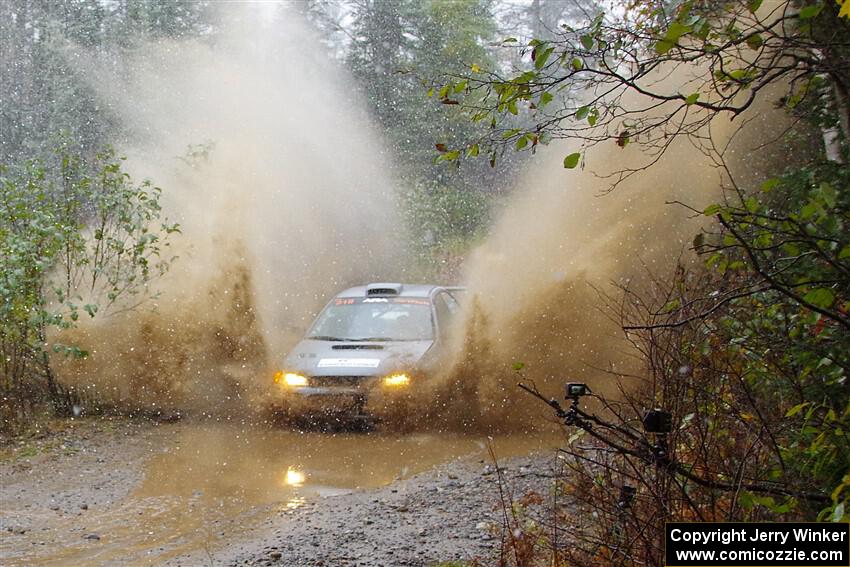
[119,492]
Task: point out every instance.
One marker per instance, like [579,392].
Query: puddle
[212,483]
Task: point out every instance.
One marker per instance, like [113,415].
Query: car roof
[404,290]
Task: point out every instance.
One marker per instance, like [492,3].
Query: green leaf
[664,46]
[838,512]
[810,12]
[541,58]
[571,161]
[754,5]
[820,297]
[577,64]
[671,37]
[808,211]
[797,409]
[752,204]
[845,253]
[766,501]
[692,98]
[746,500]
[741,74]
[755,41]
[828,193]
[582,112]
[545,99]
[677,30]
[521,142]
[711,210]
[587,42]
[770,184]
[787,506]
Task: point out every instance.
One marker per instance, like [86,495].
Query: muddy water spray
[284,200]
[562,243]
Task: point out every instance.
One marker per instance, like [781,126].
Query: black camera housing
[576,390]
[658,421]
[627,495]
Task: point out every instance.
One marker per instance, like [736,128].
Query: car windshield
[374,319]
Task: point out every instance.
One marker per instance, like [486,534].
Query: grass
[27,451]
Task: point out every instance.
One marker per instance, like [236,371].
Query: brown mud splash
[283,199]
[201,353]
[555,262]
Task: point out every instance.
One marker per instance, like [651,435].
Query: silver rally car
[368,346]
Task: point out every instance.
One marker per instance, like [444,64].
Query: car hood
[342,358]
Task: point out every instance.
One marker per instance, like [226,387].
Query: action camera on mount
[627,495]
[576,390]
[658,421]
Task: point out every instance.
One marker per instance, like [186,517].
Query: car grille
[340,381]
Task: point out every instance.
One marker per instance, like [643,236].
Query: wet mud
[129,494]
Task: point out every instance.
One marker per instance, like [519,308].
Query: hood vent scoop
[357,347]
[383,289]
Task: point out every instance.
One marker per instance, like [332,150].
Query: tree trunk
[58,397]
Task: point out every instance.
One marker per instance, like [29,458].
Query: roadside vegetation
[746,354]
[78,238]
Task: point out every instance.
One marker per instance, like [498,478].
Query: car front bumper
[367,396]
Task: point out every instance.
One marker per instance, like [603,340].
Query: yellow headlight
[292,379]
[294,477]
[397,380]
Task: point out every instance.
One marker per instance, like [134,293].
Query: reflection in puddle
[212,482]
[296,502]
